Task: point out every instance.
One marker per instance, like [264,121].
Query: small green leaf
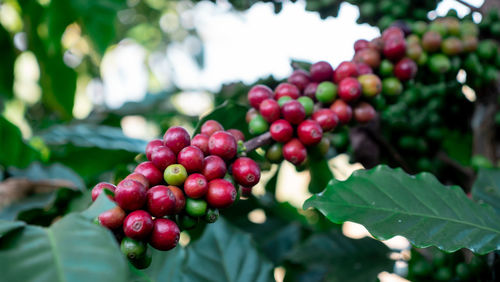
[319,170]
[389,202]
[486,189]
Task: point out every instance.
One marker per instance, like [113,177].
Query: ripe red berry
[237,134]
[259,93]
[281,131]
[364,112]
[342,110]
[201,141]
[209,127]
[361,44]
[345,69]
[294,152]
[293,112]
[246,172]
[161,201]
[405,69]
[113,218]
[138,225]
[191,158]
[130,195]
[196,186]
[364,69]
[310,90]
[377,43]
[395,48]
[309,132]
[270,110]
[180,199]
[299,78]
[165,234]
[221,193]
[139,178]
[393,32]
[326,118]
[223,145]
[176,138]
[368,56]
[286,89]
[97,190]
[162,157]
[245,192]
[349,89]
[431,41]
[321,71]
[214,167]
[152,173]
[152,145]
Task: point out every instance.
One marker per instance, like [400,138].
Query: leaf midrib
[57,260]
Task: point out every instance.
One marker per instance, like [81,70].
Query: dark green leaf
[389,202]
[8,226]
[224,253]
[320,172]
[72,249]
[15,152]
[102,204]
[37,172]
[344,259]
[8,59]
[166,266]
[486,189]
[230,115]
[32,202]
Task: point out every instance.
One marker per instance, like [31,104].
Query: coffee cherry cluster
[298,112]
[184,181]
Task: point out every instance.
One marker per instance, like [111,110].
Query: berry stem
[256,142]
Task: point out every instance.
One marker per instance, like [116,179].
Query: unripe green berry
[283,100]
[133,249]
[175,174]
[275,153]
[326,92]
[186,222]
[258,125]
[196,207]
[307,103]
[212,215]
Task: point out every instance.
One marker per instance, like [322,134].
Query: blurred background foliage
[61,131]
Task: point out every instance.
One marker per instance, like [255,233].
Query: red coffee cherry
[361,44]
[294,152]
[299,78]
[161,201]
[364,68]
[345,69]
[270,110]
[180,199]
[395,48]
[196,186]
[246,172]
[281,131]
[393,32]
[191,158]
[165,234]
[214,167]
[286,89]
[152,145]
[245,192]
[405,69]
[293,112]
[326,118]
[221,193]
[113,218]
[162,157]
[97,190]
[139,178]
[368,56]
[259,93]
[364,112]
[223,145]
[138,225]
[321,71]
[237,134]
[209,127]
[176,138]
[201,141]
[310,90]
[342,110]
[152,173]
[130,195]
[349,89]
[309,132]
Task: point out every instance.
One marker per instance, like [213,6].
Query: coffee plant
[418,107]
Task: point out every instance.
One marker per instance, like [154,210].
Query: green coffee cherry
[391,86]
[212,215]
[133,249]
[196,207]
[258,125]
[186,222]
[326,92]
[283,100]
[307,103]
[175,174]
[275,153]
[143,261]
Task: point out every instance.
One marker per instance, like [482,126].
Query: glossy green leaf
[102,204]
[15,152]
[36,201]
[87,135]
[319,170]
[72,249]
[230,115]
[224,253]
[486,189]
[7,226]
[389,202]
[37,172]
[341,258]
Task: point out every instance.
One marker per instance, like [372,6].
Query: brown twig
[256,142]
[471,7]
